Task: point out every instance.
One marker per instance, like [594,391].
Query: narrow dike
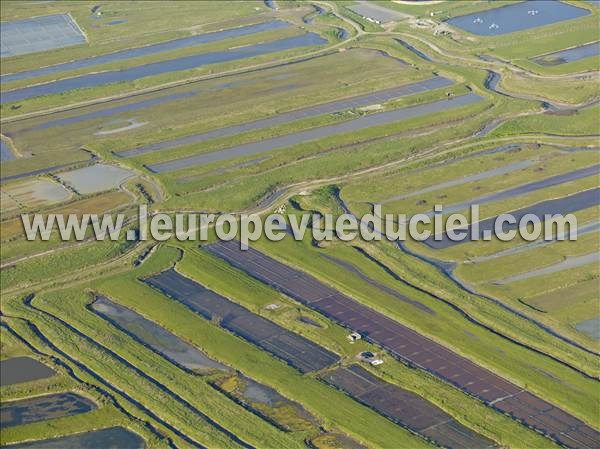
[134,94]
[467,315]
[411,347]
[448,272]
[28,302]
[88,371]
[440,267]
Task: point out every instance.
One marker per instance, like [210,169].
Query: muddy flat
[23,369]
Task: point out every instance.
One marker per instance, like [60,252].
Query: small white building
[354,336]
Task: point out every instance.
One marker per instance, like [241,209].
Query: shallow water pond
[267,402]
[95,178]
[155,336]
[36,192]
[23,369]
[41,408]
[517,17]
[590,327]
[111,438]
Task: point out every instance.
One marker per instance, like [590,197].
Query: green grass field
[517,309]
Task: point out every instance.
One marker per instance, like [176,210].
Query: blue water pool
[517,17]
